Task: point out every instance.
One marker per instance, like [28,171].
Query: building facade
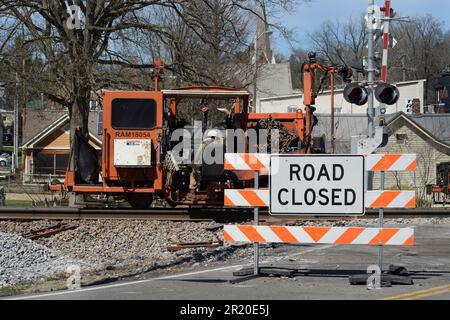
[46,154]
[409,91]
[426,135]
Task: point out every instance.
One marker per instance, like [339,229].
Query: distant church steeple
[265,53]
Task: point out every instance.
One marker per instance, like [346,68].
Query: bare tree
[425,46]
[76,54]
[341,43]
[296,60]
[422,44]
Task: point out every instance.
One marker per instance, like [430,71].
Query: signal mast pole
[387,20]
[371,69]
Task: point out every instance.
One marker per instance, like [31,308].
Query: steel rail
[191,214]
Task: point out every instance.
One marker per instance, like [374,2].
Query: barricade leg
[394,275]
[256,222]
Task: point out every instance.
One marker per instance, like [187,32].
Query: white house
[408,91]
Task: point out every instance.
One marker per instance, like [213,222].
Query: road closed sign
[317,185]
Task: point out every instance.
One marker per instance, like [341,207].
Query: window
[47,163]
[100,123]
[44,163]
[93,105]
[61,163]
[401,138]
[133,114]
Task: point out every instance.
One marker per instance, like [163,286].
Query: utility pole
[16,127]
[403,59]
[255,76]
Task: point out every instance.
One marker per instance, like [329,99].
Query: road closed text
[317,185]
[310,196]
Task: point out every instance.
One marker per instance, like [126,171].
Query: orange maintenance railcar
[139,161]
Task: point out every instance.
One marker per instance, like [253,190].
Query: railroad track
[192,214]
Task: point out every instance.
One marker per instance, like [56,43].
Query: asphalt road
[324,275]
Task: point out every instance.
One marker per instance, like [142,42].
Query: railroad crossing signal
[356,93]
[387,94]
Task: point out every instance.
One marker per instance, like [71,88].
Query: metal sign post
[381,224]
[256,223]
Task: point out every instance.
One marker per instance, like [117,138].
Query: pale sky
[309,16]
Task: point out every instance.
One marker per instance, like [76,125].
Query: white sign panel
[317,185]
[132,153]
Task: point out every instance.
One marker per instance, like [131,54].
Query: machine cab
[132,129]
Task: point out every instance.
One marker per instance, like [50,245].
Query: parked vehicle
[5,160]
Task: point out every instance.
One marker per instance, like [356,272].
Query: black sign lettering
[323,173]
[317,185]
[338,172]
[335,195]
[325,200]
[310,197]
[312,172]
[132,135]
[294,200]
[350,193]
[295,170]
[284,203]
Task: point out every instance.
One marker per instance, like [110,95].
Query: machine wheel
[139,201]
[170,202]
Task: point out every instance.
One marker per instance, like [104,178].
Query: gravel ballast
[128,246]
[23,260]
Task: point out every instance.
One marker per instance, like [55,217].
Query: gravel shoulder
[110,250]
[103,249]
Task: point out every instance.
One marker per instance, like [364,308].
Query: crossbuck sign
[317,185]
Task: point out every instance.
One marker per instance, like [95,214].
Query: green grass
[10,291]
[8,148]
[18,203]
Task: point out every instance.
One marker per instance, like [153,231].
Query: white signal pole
[371,69]
[387,21]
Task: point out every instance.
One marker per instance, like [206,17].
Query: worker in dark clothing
[194,182]
[205,110]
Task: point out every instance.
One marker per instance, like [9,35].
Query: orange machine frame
[300,121]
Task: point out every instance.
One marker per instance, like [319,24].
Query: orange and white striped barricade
[391,162]
[258,198]
[320,235]
[374,162]
[257,163]
[389,199]
[374,199]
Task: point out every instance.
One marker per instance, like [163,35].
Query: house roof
[444,80]
[432,126]
[38,121]
[59,123]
